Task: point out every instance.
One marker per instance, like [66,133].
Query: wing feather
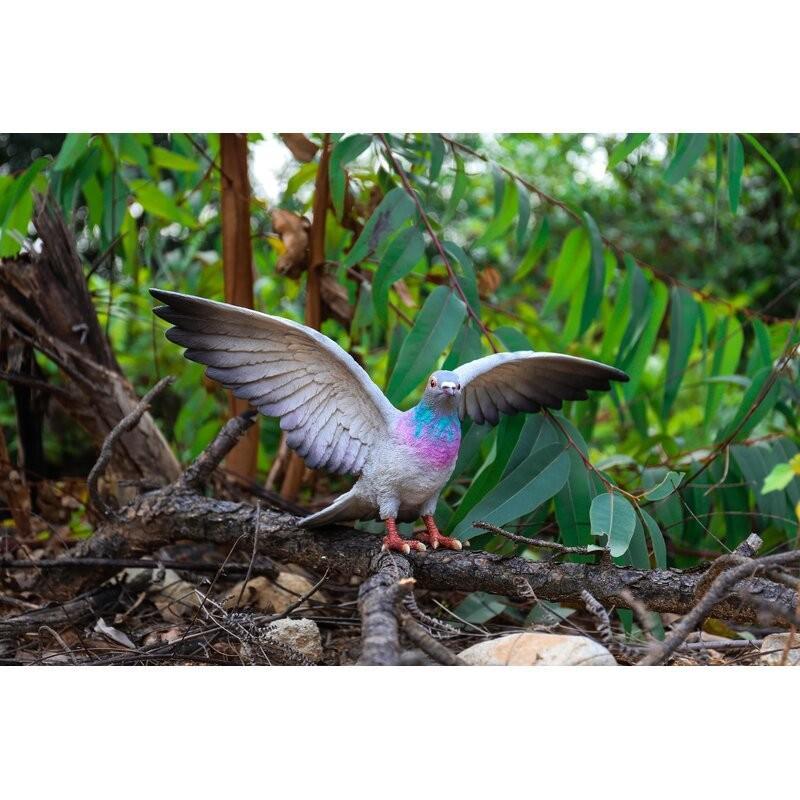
[527,381]
[331,411]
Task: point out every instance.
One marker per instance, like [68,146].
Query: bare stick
[200,470]
[543,543]
[422,639]
[126,424]
[719,589]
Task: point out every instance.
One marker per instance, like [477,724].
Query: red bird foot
[435,539]
[393,540]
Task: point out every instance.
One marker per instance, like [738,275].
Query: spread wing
[528,381]
[330,409]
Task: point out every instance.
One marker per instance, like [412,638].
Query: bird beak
[449,388]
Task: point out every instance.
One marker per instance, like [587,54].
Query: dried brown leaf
[301,147]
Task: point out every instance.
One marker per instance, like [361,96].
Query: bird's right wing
[528,381]
[330,409]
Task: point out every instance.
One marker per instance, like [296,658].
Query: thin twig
[543,543]
[422,639]
[126,424]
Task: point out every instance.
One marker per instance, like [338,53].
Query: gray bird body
[338,420]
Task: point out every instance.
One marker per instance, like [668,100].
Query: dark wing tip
[618,375]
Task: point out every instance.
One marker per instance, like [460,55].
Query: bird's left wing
[330,409]
[528,381]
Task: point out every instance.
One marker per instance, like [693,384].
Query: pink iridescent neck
[434,436]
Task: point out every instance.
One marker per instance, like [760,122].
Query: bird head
[442,390]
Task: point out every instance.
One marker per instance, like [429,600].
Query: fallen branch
[378,597]
[718,594]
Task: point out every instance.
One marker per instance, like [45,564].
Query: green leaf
[132,151]
[690,147]
[72,149]
[466,348]
[402,255]
[435,327]
[735,167]
[395,209]
[459,189]
[728,342]
[465,274]
[746,417]
[155,202]
[523,217]
[779,478]
[169,159]
[535,481]
[620,315]
[571,265]
[613,516]
[636,359]
[684,313]
[672,480]
[624,148]
[776,167]
[597,275]
[480,607]
[535,250]
[344,151]
[573,502]
[512,338]
[509,433]
[656,540]
[17,190]
[437,155]
[756,462]
[505,214]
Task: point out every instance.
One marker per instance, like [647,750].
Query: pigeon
[338,420]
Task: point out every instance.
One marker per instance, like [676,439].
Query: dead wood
[378,599]
[45,304]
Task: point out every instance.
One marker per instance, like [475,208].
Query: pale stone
[263,594]
[300,634]
[538,649]
[773,647]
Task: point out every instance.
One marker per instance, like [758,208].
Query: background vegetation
[673,257]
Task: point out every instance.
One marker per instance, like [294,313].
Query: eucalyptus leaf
[613,516]
[435,327]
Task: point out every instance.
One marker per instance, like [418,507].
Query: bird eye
[458,386]
[433,381]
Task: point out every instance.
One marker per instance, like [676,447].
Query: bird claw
[432,537]
[397,543]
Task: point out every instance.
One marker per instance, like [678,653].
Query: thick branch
[378,597]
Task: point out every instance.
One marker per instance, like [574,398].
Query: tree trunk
[237,261]
[313,317]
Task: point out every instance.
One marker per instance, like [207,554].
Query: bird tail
[348,507]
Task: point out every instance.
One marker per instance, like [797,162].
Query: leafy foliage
[697,449]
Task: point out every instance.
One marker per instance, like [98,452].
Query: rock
[300,634]
[174,597]
[772,650]
[538,649]
[266,595]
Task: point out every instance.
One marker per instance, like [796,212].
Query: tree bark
[237,262]
[295,469]
[45,304]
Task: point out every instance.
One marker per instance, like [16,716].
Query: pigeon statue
[338,420]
